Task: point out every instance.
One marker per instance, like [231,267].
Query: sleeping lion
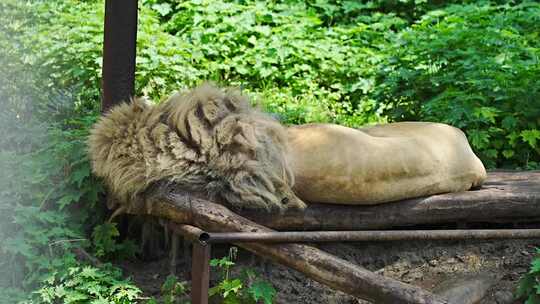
[210,141]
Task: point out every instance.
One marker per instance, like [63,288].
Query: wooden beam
[119,49]
[506,197]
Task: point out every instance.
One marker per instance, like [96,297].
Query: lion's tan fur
[390,162]
[207,140]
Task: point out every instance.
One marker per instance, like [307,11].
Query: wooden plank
[506,197]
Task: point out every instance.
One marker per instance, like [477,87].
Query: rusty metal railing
[202,240]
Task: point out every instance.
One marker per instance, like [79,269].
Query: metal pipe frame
[200,273]
[365,236]
[202,241]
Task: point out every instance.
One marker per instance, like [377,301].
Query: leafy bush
[42,192]
[108,247]
[48,197]
[475,67]
[88,285]
[281,49]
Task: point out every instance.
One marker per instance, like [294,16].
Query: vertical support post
[174,253]
[200,273]
[119,49]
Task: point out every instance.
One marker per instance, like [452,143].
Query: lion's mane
[207,140]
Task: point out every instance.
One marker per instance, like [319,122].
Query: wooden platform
[506,197]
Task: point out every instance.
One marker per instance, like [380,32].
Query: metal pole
[200,273]
[197,235]
[356,236]
[119,48]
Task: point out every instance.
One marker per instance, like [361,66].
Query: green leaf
[531,137]
[89,272]
[162,8]
[231,300]
[74,297]
[68,198]
[230,286]
[508,153]
[78,175]
[509,122]
[487,113]
[479,138]
[535,266]
[262,290]
[224,262]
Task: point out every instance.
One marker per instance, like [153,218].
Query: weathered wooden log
[466,290]
[314,263]
[506,197]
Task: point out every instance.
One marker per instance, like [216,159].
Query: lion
[207,140]
[211,141]
[383,163]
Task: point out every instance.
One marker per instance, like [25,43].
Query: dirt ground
[421,263]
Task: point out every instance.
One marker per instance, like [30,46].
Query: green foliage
[49,200]
[529,286]
[172,290]
[245,289]
[281,50]
[88,285]
[475,67]
[42,192]
[106,243]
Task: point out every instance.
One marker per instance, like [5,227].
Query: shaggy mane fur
[207,140]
